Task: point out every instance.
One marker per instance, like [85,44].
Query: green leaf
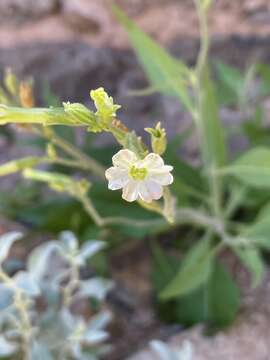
[223,297]
[101,197]
[187,179]
[259,231]
[187,310]
[164,268]
[214,150]
[215,302]
[252,168]
[166,73]
[252,260]
[254,129]
[194,271]
[264,71]
[54,215]
[232,78]
[183,171]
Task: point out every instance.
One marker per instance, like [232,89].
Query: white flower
[143,179]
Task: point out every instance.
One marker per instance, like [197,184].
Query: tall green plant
[199,269]
[213,192]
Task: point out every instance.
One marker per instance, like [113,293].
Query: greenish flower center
[137,173]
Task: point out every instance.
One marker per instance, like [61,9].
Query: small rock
[84,15]
[21,10]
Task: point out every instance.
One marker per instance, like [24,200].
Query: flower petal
[153,161]
[162,178]
[130,191]
[124,158]
[117,178]
[150,190]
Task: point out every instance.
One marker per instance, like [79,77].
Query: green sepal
[135,144]
[158,139]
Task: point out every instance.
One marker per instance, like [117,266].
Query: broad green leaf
[187,179]
[254,129]
[259,231]
[213,142]
[253,261]
[186,310]
[252,168]
[215,302]
[167,74]
[183,171]
[231,77]
[194,271]
[264,71]
[223,297]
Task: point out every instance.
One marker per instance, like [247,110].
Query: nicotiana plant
[210,197]
[38,315]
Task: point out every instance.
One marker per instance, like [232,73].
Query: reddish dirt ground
[93,22]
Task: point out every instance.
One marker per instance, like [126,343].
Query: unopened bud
[106,109]
[51,151]
[78,114]
[26,94]
[18,165]
[158,139]
[11,82]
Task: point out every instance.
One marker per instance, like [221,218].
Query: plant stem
[73,282]
[90,209]
[214,183]
[183,216]
[84,160]
[66,162]
[204,37]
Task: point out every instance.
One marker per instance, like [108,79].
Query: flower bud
[11,82]
[51,151]
[3,97]
[79,114]
[158,139]
[106,109]
[26,94]
[18,165]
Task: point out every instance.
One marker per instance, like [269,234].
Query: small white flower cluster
[139,178]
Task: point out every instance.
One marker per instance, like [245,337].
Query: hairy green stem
[84,161]
[214,182]
[91,210]
[183,216]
